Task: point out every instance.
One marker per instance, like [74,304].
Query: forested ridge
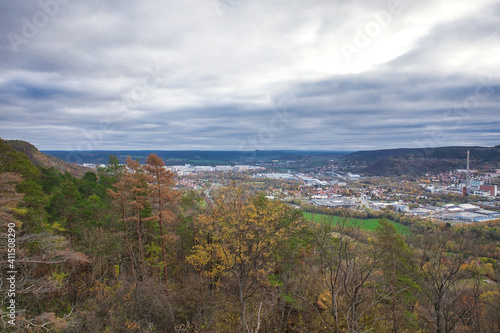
[43,160]
[122,250]
[419,161]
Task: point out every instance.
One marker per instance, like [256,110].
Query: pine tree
[398,270]
[65,207]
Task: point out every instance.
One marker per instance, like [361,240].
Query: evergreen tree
[65,208]
[399,271]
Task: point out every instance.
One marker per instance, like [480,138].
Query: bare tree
[347,266]
[449,301]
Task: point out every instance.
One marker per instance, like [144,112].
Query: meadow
[365,224]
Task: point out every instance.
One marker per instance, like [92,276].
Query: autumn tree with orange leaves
[131,197]
[163,199]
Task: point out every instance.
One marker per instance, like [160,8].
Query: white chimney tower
[467,177]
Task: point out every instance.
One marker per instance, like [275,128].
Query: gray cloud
[286,74]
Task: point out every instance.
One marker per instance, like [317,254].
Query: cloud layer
[250,74]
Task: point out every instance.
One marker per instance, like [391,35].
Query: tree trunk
[437,308]
[243,309]
[163,249]
[394,300]
[141,251]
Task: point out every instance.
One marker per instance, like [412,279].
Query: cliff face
[42,160]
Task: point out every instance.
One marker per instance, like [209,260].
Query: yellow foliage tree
[239,242]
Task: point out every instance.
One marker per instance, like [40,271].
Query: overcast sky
[250,74]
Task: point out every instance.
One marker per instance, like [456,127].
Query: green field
[366,224]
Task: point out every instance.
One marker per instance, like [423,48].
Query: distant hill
[198,157]
[42,160]
[415,161]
